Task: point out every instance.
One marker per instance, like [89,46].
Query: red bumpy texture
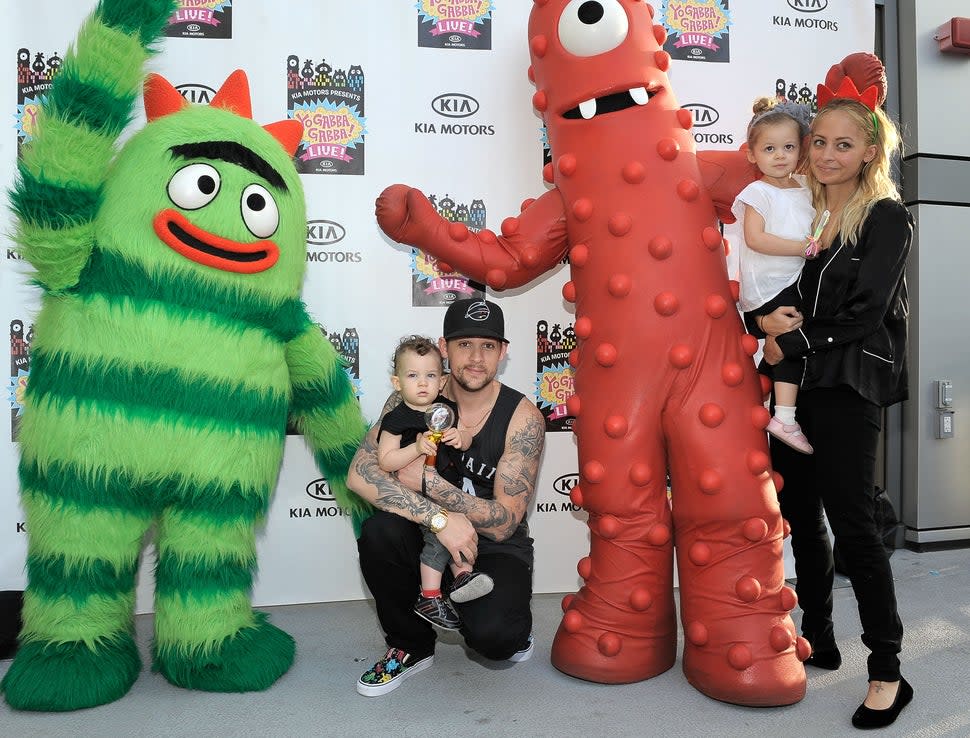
[664,374]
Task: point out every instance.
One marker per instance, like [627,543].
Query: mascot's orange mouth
[217,252]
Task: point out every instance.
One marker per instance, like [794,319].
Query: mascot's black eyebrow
[234,153]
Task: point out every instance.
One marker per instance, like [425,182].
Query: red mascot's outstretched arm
[529,245]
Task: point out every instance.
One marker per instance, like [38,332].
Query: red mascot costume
[664,375]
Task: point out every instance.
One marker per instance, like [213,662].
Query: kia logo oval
[455,105]
[808,6]
[319,489]
[324,232]
[195,93]
[565,483]
[193,28]
[454,38]
[704,115]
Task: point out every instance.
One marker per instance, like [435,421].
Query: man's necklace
[485,414]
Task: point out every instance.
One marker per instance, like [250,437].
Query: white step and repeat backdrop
[432,93]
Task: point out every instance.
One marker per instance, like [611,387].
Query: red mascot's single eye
[591,27]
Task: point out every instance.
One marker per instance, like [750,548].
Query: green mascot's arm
[58,191]
[325,410]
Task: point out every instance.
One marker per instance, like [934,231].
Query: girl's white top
[788,213]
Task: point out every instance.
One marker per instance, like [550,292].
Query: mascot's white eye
[591,27]
[259,211]
[194,186]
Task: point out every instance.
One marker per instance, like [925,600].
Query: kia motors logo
[324,232]
[194,93]
[454,38]
[808,6]
[565,483]
[704,115]
[193,28]
[455,105]
[319,489]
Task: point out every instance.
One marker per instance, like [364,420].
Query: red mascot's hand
[405,214]
[864,69]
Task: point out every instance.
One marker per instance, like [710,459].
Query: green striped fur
[82,536]
[327,413]
[155,393]
[186,533]
[55,577]
[64,620]
[188,622]
[176,577]
[59,255]
[89,104]
[110,275]
[145,19]
[68,486]
[94,440]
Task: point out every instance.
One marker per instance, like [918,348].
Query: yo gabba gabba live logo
[430,285]
[35,74]
[554,375]
[201,19]
[455,24]
[329,103]
[698,30]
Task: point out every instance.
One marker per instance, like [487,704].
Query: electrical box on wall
[954,36]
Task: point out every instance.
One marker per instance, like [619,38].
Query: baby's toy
[170,351]
[664,376]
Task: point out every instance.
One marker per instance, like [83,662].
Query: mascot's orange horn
[161,98]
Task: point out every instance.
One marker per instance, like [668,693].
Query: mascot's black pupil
[207,185]
[590,13]
[255,202]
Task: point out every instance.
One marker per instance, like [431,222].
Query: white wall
[934,109]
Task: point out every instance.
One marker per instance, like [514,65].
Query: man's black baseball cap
[474,318]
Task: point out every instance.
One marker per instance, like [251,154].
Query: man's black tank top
[478,465]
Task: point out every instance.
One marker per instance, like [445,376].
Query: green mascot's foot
[251,660]
[55,677]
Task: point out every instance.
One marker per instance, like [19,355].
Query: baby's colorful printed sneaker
[790,435]
[437,611]
[470,585]
[525,653]
[388,673]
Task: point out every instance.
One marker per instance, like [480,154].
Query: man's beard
[461,382]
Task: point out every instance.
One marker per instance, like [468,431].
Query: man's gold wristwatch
[438,521]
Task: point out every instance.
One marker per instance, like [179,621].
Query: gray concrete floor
[462,696]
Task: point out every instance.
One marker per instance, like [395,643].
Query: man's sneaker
[437,611]
[388,673]
[470,585]
[790,435]
[526,653]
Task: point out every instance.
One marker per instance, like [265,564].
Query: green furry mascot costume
[171,350]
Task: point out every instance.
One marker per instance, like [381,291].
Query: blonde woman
[851,333]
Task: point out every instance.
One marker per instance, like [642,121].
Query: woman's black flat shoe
[866,717]
[829,659]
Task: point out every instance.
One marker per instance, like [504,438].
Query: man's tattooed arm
[381,489]
[515,479]
[392,402]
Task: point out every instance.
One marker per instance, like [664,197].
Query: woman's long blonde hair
[875,181]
